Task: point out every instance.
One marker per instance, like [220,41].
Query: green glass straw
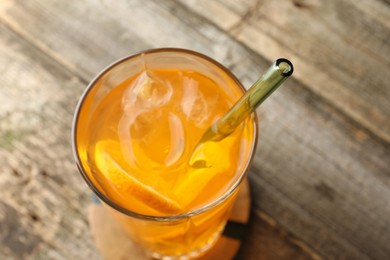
[280,70]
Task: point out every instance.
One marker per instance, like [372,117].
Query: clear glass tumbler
[181,234]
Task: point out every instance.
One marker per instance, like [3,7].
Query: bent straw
[280,70]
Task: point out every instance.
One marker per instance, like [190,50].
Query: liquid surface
[142,135]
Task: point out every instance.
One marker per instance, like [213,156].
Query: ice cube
[176,148]
[194,104]
[147,91]
[159,129]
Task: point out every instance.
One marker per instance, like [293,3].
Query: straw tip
[285,66]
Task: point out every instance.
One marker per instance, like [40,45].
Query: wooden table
[320,181]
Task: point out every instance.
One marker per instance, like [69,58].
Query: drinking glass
[169,236]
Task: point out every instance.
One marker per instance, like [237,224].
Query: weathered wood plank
[322,175]
[42,196]
[242,8]
[267,240]
[92,42]
[30,143]
[332,150]
[340,48]
[67,41]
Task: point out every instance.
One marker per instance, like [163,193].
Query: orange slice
[215,160]
[127,184]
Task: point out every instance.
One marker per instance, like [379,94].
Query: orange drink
[135,133]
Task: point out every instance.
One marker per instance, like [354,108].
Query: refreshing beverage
[137,135]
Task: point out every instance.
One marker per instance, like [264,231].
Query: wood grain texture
[336,46]
[267,240]
[321,172]
[42,196]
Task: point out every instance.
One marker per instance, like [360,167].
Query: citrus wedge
[215,160]
[127,185]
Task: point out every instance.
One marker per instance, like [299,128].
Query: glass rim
[226,194]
